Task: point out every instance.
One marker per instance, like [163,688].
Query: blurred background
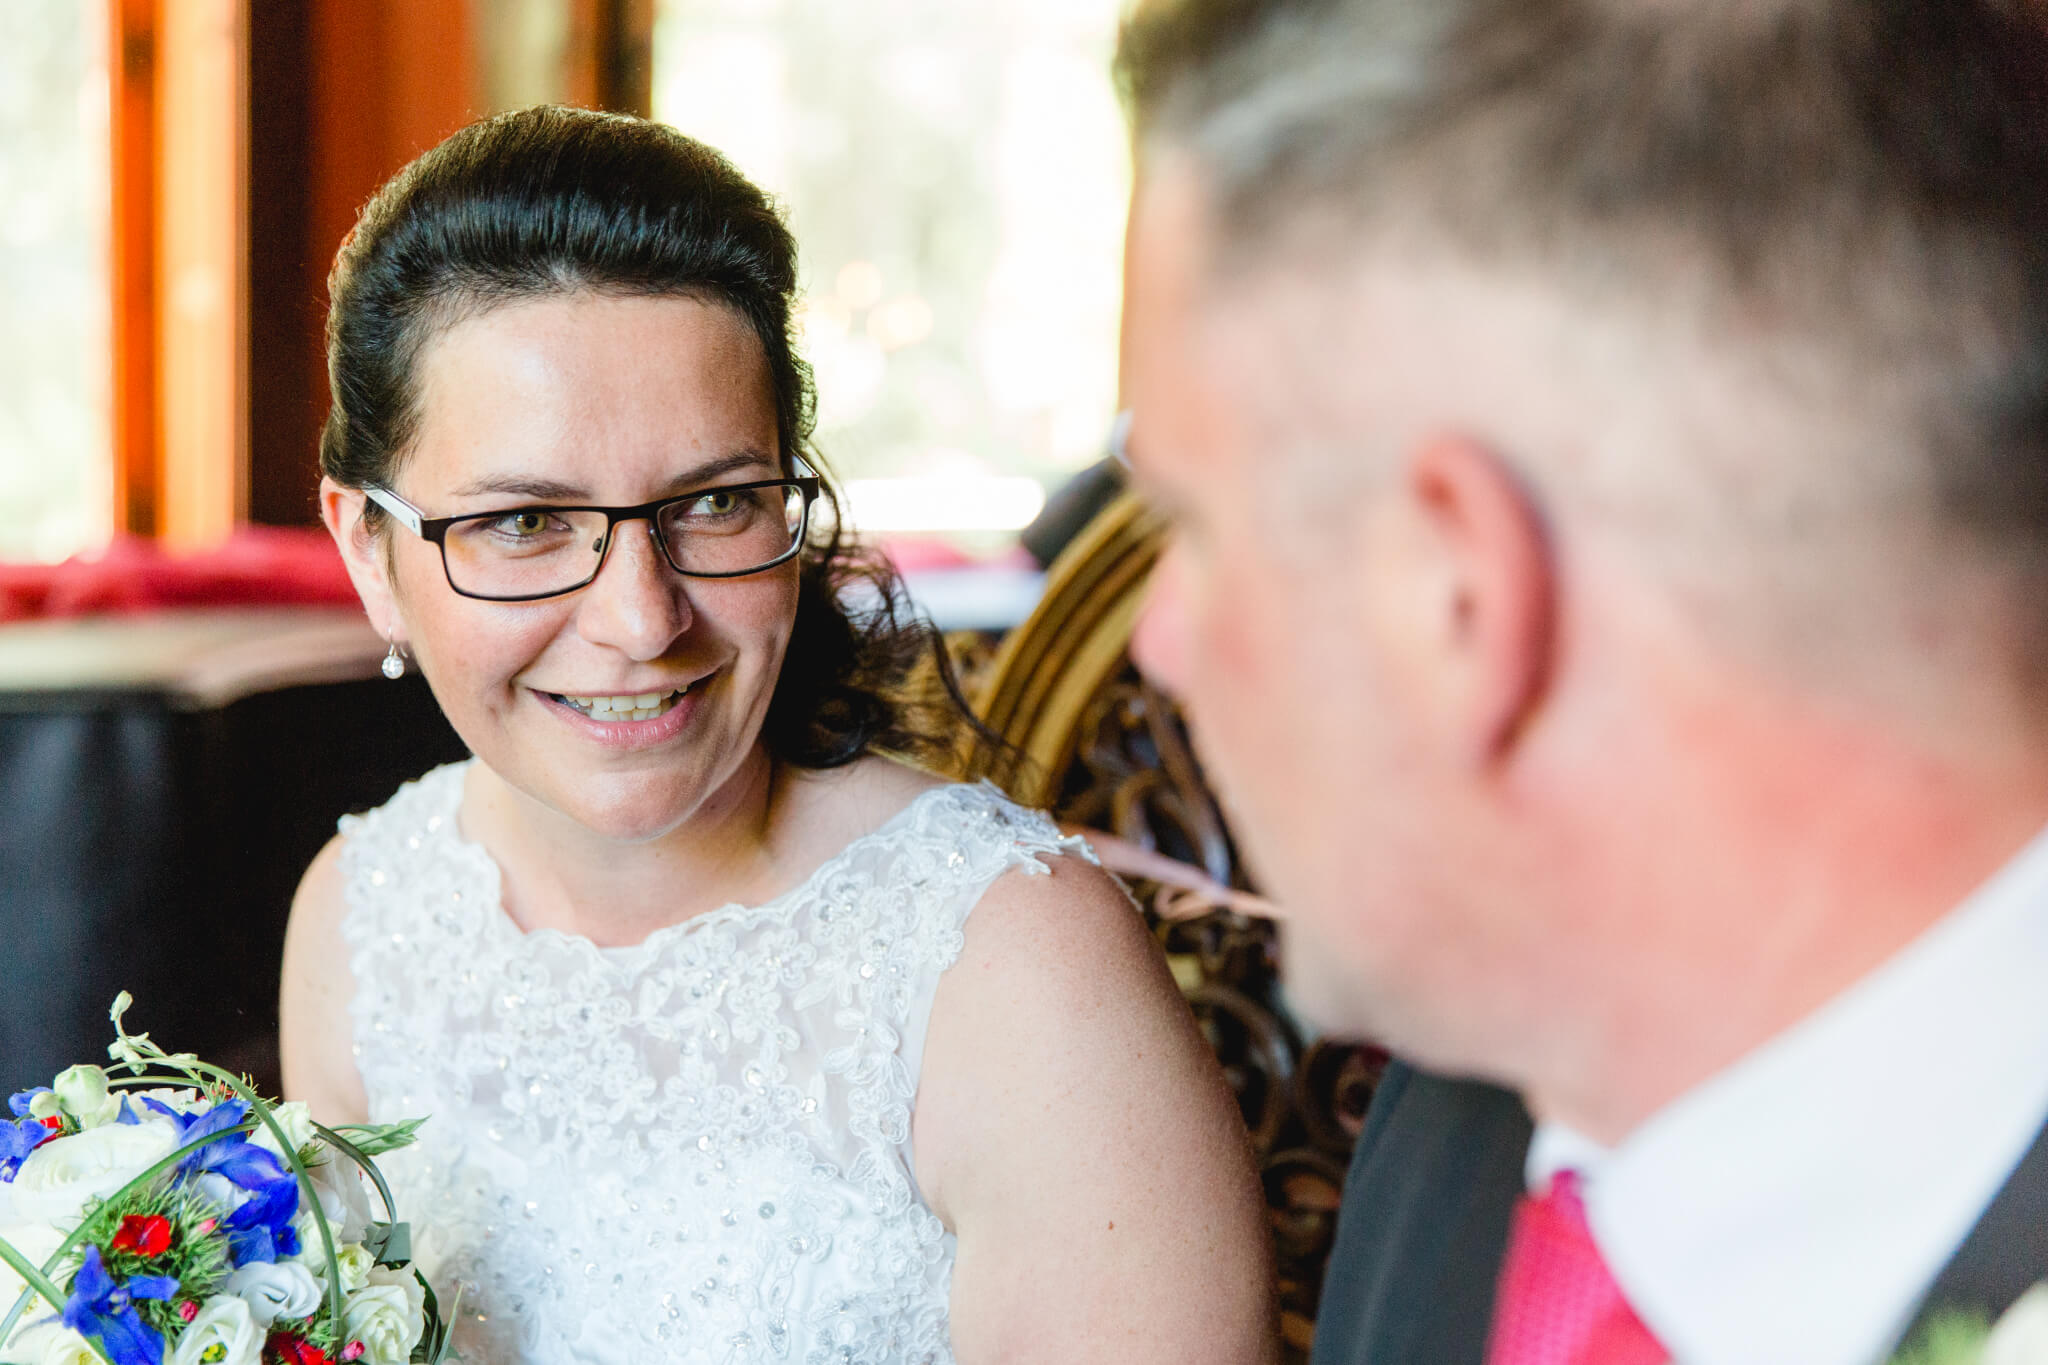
[175,176]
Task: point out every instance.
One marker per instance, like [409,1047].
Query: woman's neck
[558,874]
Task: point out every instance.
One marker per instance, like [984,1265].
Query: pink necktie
[1557,1305]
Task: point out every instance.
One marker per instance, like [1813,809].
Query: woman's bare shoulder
[1074,1130]
[320,900]
[314,990]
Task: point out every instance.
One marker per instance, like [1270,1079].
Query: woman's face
[585,398]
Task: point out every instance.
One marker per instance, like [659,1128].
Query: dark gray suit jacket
[1425,1220]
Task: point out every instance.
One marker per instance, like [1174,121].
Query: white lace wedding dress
[693,1149]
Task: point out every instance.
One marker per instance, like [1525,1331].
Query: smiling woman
[741,1039]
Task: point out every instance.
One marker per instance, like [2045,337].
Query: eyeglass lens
[537,551]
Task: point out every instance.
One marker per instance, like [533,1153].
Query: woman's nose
[637,604]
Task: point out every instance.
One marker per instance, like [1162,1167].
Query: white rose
[344,1195]
[51,1343]
[285,1291]
[83,1094]
[306,1223]
[224,1333]
[36,1241]
[59,1176]
[353,1258]
[2021,1336]
[297,1122]
[388,1315]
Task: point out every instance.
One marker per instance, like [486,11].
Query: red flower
[287,1349]
[55,1123]
[188,1310]
[144,1234]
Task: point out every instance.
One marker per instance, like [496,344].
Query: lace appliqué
[693,1149]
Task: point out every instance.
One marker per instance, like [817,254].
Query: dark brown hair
[549,201]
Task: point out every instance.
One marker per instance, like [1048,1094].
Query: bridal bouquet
[170,1214]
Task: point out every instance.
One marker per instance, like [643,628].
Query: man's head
[1589,423]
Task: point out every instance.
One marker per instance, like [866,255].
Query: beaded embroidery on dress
[693,1149]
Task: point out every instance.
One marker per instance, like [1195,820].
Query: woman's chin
[623,807]
[633,816]
[627,797]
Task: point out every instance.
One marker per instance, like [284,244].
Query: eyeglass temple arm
[408,516]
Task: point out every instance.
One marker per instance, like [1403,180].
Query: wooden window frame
[179,178]
[244,137]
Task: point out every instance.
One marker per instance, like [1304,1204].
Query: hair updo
[550,201]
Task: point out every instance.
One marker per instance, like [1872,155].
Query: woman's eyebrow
[520,485]
[554,490]
[724,464]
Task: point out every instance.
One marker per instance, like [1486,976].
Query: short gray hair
[1876,171]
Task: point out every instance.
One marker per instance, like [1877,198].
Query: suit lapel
[1424,1226]
[2005,1254]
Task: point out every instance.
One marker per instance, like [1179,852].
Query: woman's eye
[523,524]
[717,504]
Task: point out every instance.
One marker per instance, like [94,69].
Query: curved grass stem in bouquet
[161,1212]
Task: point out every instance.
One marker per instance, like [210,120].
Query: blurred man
[1608,445]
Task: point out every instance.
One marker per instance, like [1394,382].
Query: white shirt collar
[1795,1207]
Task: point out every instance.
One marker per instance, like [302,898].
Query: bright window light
[938,504]
[956,175]
[56,468]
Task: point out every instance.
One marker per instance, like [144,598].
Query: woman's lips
[640,706]
[673,715]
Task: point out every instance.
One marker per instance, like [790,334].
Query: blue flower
[236,1158]
[98,1307]
[17,1140]
[261,1230]
[20,1100]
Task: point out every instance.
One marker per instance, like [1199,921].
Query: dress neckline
[501,925]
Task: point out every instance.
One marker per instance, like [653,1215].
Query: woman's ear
[342,510]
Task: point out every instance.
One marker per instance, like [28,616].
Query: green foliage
[375,1139]
[435,1343]
[1949,1339]
[197,1260]
[323,1329]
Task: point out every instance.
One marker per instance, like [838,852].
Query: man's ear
[1498,588]
[342,510]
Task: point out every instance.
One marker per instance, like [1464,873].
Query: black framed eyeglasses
[524,554]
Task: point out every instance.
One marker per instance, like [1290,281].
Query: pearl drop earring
[394,662]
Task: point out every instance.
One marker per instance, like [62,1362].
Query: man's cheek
[1246,638]
[1231,684]
[1160,640]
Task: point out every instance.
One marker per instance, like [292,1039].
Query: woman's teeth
[637,706]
